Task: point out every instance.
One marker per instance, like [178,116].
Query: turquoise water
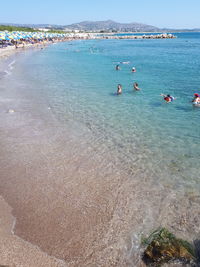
[79,82]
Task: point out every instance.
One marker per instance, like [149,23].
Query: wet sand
[5,52]
[10,50]
[71,199]
[14,251]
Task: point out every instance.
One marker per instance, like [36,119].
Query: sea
[154,143]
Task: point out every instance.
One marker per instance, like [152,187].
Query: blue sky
[161,13]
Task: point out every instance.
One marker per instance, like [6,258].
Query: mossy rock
[163,247]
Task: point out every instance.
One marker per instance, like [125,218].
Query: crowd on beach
[19,39]
[167,98]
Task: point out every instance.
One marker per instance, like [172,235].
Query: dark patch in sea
[156,104]
[113,94]
[183,108]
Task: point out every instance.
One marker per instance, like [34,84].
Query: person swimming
[168,98]
[119,89]
[117,67]
[196,99]
[136,87]
[133,69]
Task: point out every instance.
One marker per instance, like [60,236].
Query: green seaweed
[163,247]
[148,240]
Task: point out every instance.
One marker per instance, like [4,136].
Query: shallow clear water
[79,82]
[154,143]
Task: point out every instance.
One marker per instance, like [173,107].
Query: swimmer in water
[119,89]
[136,87]
[117,67]
[133,69]
[196,99]
[168,98]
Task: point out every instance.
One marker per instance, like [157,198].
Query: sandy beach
[11,50]
[5,52]
[14,250]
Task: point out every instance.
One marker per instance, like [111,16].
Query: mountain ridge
[111,25]
[103,26]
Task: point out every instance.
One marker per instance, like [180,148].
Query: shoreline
[10,50]
[6,51]
[45,179]
[14,250]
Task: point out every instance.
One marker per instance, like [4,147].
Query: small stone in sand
[11,111]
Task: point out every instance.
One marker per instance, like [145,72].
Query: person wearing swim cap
[133,69]
[196,99]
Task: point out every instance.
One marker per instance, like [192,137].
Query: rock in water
[164,247]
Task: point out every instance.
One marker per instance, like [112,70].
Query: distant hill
[105,26]
[47,26]
[110,25]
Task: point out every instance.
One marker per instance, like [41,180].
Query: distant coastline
[107,26]
[12,41]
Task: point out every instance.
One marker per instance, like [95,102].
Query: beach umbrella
[11,37]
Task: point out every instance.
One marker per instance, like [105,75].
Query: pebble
[11,111]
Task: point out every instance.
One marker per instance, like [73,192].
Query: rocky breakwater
[149,36]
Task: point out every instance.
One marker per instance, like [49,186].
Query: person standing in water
[196,99]
[117,67]
[119,89]
[136,87]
